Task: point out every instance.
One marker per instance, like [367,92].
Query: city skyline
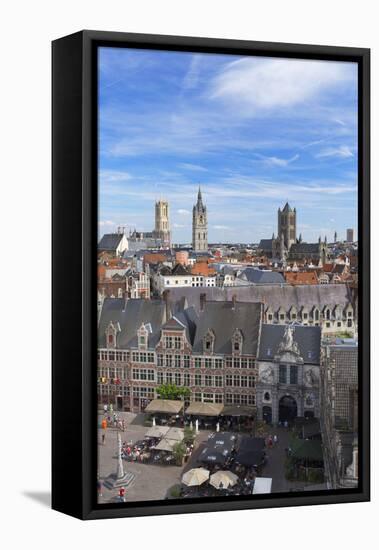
[171,121]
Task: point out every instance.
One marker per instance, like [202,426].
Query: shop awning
[165,445]
[238,410]
[205,409]
[166,406]
[157,431]
[175,434]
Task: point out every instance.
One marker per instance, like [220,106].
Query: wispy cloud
[192,167]
[276,83]
[191,77]
[343,152]
[276,161]
[254,132]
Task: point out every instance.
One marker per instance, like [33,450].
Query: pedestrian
[104,428]
[121,494]
[105,409]
[99,488]
[275,439]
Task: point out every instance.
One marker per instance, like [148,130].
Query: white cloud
[194,167]
[220,227]
[114,176]
[183,212]
[192,76]
[343,151]
[106,223]
[276,161]
[276,83]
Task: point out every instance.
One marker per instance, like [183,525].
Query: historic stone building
[339,413]
[113,244]
[199,225]
[287,246]
[289,372]
[162,222]
[160,237]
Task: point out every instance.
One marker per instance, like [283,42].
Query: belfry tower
[287,225]
[199,225]
[162,222]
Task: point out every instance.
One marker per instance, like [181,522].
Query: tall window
[293,374]
[282,374]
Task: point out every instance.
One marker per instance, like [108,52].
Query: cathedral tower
[287,225]
[162,222]
[199,226]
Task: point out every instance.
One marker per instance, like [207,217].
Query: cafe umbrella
[223,479]
[196,476]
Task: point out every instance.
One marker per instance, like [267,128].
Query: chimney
[234,299]
[203,298]
[166,298]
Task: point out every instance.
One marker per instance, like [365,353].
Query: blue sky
[253,132]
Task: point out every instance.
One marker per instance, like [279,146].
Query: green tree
[189,435]
[179,450]
[171,391]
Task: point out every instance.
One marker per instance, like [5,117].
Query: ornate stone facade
[288,373]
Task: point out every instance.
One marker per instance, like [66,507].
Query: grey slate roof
[305,248]
[259,276]
[130,316]
[223,319]
[109,242]
[307,338]
[273,296]
[266,245]
[179,269]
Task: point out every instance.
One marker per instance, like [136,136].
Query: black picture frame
[74,333]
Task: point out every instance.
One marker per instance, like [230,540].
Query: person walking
[99,488]
[275,439]
[104,428]
[121,494]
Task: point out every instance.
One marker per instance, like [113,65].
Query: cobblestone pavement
[275,467]
[151,481]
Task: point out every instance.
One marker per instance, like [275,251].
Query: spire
[199,205]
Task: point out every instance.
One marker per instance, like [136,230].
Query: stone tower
[287,225]
[199,226]
[162,222]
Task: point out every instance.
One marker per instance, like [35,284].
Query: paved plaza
[153,481]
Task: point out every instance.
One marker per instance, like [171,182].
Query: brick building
[143,344]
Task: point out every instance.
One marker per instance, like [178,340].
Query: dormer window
[208,341]
[111,334]
[237,340]
[142,336]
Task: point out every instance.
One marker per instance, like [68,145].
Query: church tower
[162,222]
[199,226]
[287,225]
